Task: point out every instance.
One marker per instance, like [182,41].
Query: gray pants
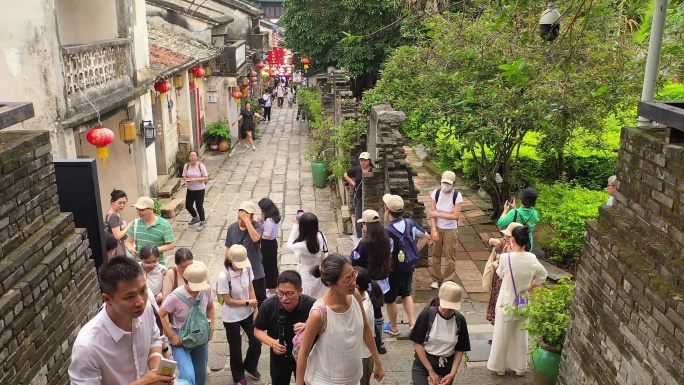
[358,210]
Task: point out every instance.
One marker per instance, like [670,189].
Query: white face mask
[447,187]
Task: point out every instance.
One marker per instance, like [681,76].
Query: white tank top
[336,356]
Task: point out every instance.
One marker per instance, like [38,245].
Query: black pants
[358,210]
[237,365]
[195,198]
[269,252]
[378,322]
[281,372]
[420,375]
[267,113]
[260,290]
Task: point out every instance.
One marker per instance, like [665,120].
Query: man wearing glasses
[149,228]
[279,318]
[610,189]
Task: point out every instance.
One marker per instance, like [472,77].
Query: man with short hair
[400,282]
[285,313]
[247,232]
[149,228]
[446,209]
[121,344]
[610,189]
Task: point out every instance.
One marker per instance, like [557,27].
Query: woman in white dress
[309,247]
[342,327]
[520,269]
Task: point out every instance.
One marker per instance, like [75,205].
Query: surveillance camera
[549,23]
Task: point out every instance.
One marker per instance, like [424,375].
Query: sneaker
[253,148]
[434,285]
[201,227]
[194,220]
[382,350]
[246,145]
[241,382]
[386,328]
[256,375]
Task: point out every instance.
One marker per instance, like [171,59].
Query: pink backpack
[297,340]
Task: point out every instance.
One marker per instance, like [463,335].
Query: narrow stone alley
[277,170]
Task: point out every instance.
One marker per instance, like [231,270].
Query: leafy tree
[479,85]
[317,29]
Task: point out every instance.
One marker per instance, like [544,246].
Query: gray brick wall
[627,319]
[48,282]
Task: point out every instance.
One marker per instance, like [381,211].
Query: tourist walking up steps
[192,307]
[404,260]
[239,311]
[279,318]
[114,222]
[173,278]
[247,232]
[372,297]
[270,218]
[440,338]
[194,175]
[373,253]
[520,273]
[104,352]
[446,209]
[340,323]
[309,247]
[149,228]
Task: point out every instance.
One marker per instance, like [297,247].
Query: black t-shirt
[267,320]
[420,329]
[356,173]
[247,118]
[116,221]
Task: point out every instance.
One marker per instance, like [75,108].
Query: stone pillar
[627,318]
[49,287]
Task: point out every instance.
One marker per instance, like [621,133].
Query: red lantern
[162,87]
[260,65]
[101,137]
[254,84]
[253,74]
[253,79]
[237,95]
[306,61]
[198,73]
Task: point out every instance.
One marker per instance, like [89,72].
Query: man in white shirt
[121,344]
[281,92]
[446,209]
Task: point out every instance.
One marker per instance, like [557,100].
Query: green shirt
[525,216]
[159,234]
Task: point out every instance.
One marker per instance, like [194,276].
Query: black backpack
[439,190]
[432,314]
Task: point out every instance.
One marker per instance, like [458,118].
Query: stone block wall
[48,285]
[627,319]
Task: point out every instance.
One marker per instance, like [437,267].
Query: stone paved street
[277,170]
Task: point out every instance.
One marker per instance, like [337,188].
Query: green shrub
[563,211]
[672,91]
[548,314]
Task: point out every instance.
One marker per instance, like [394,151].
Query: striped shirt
[159,234]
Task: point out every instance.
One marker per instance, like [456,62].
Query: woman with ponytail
[372,296]
[339,321]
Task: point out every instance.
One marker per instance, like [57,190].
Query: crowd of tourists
[323,322]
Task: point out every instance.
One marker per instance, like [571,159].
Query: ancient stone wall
[627,320]
[48,283]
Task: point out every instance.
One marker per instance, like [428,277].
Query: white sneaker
[253,148]
[246,145]
[434,285]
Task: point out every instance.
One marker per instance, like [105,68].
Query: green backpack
[196,329]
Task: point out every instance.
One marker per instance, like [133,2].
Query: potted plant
[319,140]
[217,133]
[182,157]
[548,317]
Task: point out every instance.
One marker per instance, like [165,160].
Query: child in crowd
[372,297]
[154,271]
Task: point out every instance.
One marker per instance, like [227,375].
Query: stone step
[554,273]
[172,207]
[169,188]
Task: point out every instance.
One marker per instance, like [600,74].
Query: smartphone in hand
[166,367]
[511,198]
[299,213]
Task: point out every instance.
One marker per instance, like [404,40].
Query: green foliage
[563,211]
[671,91]
[309,100]
[217,132]
[548,314]
[157,206]
[342,32]
[344,137]
[320,138]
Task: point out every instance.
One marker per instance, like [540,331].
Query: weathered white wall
[219,111]
[85,21]
[179,23]
[29,60]
[142,52]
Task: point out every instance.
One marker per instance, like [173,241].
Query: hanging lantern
[178,81]
[260,65]
[265,74]
[237,95]
[287,75]
[127,132]
[207,70]
[162,87]
[198,73]
[253,74]
[101,137]
[245,81]
[254,84]
[306,61]
[253,79]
